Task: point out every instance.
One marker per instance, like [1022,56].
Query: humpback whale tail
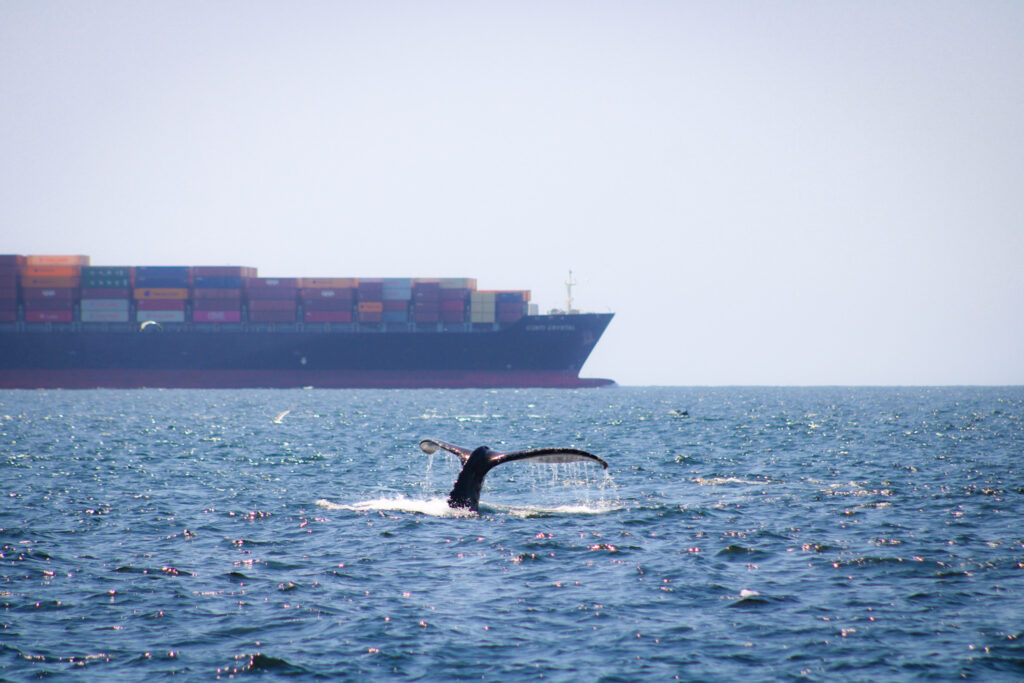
[477,463]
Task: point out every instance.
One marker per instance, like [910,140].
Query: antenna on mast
[568,293]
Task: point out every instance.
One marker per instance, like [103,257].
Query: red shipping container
[8,316]
[8,304]
[220,294]
[273,293]
[458,316]
[50,305]
[426,316]
[453,305]
[217,304]
[47,316]
[106,293]
[35,293]
[161,305]
[327,305]
[273,283]
[454,294]
[271,305]
[217,316]
[396,305]
[328,316]
[272,316]
[315,293]
[8,293]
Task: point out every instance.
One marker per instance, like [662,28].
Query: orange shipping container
[27,281]
[371,306]
[161,293]
[56,260]
[52,271]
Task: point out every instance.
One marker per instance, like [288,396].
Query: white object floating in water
[277,420]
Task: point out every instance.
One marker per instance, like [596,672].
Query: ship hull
[537,351]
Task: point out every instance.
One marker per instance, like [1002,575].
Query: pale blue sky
[764,193]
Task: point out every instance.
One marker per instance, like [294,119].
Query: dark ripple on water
[766,534]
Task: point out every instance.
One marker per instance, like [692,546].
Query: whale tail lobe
[477,463]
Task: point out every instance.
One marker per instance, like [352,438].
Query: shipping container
[32,282]
[423,316]
[50,304]
[327,316]
[163,277]
[8,316]
[328,282]
[370,290]
[327,304]
[103,272]
[48,316]
[272,316]
[217,282]
[272,305]
[232,316]
[223,271]
[52,271]
[346,294]
[105,316]
[272,282]
[35,293]
[161,304]
[106,282]
[217,304]
[56,260]
[278,293]
[458,316]
[371,316]
[371,306]
[94,305]
[161,293]
[11,260]
[160,316]
[393,305]
[9,279]
[218,293]
[106,293]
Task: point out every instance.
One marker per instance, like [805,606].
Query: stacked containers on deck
[106,294]
[217,293]
[511,306]
[160,293]
[327,299]
[50,287]
[454,293]
[482,306]
[370,307]
[272,299]
[426,301]
[396,293]
[9,264]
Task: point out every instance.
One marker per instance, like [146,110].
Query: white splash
[436,507]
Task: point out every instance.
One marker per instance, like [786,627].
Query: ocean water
[761,534]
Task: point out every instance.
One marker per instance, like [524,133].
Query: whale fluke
[477,463]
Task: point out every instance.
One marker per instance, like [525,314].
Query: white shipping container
[104,316]
[161,316]
[105,305]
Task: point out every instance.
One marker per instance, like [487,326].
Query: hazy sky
[763,193]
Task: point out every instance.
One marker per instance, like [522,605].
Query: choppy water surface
[739,534]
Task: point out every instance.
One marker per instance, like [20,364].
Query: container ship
[65,323]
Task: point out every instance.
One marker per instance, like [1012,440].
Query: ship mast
[568,293]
